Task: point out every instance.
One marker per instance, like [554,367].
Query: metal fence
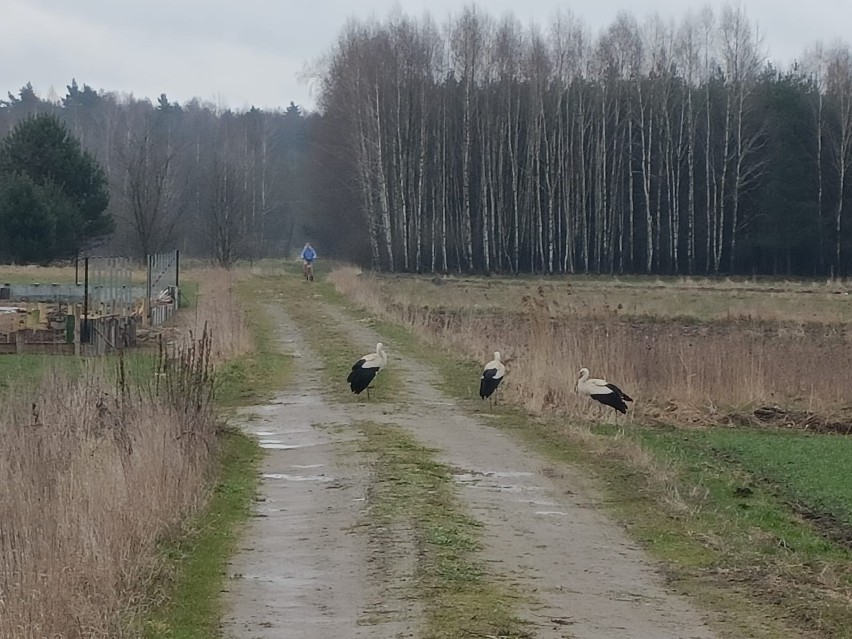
[110,286]
[163,286]
[97,314]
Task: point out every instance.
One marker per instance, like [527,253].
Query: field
[701,349]
[732,465]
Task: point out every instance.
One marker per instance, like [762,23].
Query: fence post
[84,322]
[177,279]
[77,329]
[146,311]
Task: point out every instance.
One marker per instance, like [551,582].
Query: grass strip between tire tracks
[460,598]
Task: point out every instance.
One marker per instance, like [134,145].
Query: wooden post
[85,335]
[146,308]
[77,326]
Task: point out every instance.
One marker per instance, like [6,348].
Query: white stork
[491,376]
[602,391]
[365,370]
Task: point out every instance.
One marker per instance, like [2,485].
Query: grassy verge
[747,531]
[253,377]
[198,559]
[411,488]
[714,506]
[810,471]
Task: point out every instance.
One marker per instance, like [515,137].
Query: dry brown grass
[219,308]
[92,474]
[676,371]
[681,298]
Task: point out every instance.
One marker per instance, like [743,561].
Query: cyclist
[308,256]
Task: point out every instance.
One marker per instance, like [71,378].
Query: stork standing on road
[365,370]
[602,391]
[491,376]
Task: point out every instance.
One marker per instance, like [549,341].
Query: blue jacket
[308,253]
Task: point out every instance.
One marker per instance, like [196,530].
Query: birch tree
[839,89]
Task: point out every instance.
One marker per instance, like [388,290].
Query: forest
[214,183]
[483,145]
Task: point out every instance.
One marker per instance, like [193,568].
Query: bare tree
[227,205]
[467,45]
[816,63]
[839,89]
[149,194]
[687,56]
[743,59]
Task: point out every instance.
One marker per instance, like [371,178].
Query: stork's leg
[368,393]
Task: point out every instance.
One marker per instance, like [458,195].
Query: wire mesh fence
[163,286]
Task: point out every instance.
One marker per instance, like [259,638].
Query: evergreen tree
[53,194]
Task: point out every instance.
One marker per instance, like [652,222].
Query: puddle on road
[542,503]
[507,488]
[281,431]
[489,480]
[315,466]
[286,477]
[298,400]
[276,445]
[477,475]
[550,512]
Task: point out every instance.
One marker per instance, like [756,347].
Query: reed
[95,469]
[678,371]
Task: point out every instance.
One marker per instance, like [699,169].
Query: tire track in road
[543,531]
[306,568]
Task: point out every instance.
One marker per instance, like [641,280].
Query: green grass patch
[26,371]
[459,597]
[189,293]
[734,503]
[809,470]
[24,374]
[198,560]
[746,527]
[249,379]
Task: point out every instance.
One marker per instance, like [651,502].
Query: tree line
[212,182]
[481,145]
[656,147]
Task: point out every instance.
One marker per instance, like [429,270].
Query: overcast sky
[252,52]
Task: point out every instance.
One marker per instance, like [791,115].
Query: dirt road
[306,571]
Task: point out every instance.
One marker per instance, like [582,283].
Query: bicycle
[308,269]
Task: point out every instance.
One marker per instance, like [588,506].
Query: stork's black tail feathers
[488,385]
[360,378]
[615,399]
